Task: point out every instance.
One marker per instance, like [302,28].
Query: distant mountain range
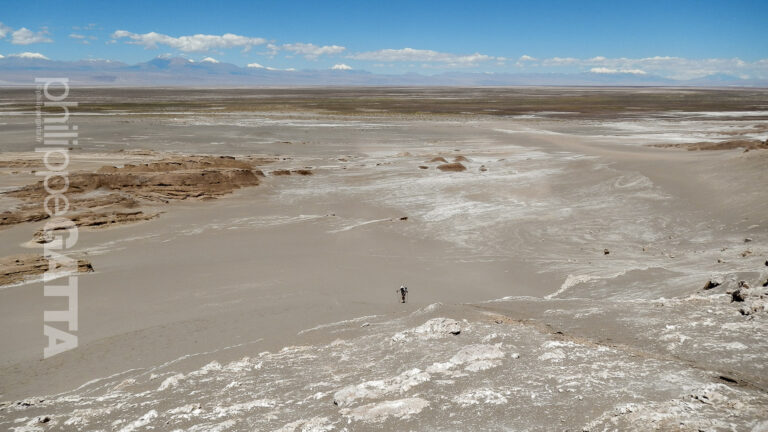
[181,72]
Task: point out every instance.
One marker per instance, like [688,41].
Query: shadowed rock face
[17,268]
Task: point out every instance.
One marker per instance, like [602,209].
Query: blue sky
[681,39]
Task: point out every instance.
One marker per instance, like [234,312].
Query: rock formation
[452,167]
[17,268]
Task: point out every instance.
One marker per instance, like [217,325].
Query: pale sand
[260,265]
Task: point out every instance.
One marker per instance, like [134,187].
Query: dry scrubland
[578,259]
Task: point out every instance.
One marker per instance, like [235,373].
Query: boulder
[753,307]
[738,296]
[432,329]
[453,167]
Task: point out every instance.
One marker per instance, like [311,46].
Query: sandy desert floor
[246,248]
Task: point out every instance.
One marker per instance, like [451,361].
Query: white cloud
[255,66]
[193,43]
[29,55]
[341,66]
[525,60]
[312,51]
[604,70]
[560,61]
[209,60]
[25,36]
[91,26]
[666,66]
[272,49]
[419,55]
[86,40]
[4,30]
[2,56]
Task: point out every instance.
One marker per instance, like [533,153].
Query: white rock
[432,329]
[171,381]
[401,408]
[140,422]
[379,388]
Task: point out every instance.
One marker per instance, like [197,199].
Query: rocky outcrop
[169,179]
[452,167]
[21,163]
[752,300]
[18,268]
[439,159]
[26,213]
[94,220]
[34,211]
[285,172]
[738,295]
[432,329]
[746,144]
[182,163]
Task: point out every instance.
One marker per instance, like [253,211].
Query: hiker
[403,292]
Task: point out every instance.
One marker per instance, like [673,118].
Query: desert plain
[576,259]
